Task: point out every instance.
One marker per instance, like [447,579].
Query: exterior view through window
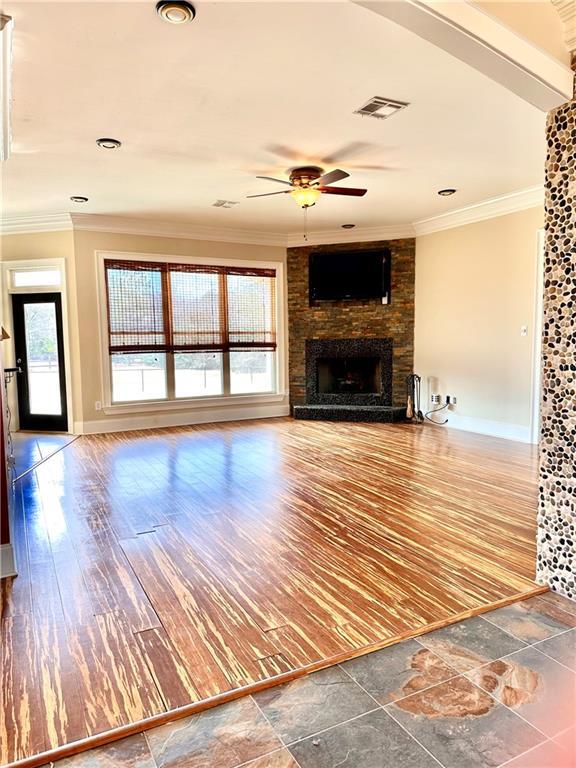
[185,331]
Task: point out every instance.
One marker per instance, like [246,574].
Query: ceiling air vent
[225,203]
[381,108]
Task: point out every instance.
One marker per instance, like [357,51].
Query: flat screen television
[350,275]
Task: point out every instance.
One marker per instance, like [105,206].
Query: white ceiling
[200,107]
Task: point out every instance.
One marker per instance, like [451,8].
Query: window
[34,278]
[184,331]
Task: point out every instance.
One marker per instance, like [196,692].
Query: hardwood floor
[161,568]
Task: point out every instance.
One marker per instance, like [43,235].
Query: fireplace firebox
[348,375]
[349,372]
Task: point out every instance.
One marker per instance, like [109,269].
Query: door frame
[44,422]
[8,288]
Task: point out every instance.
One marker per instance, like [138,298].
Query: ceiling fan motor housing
[305,175]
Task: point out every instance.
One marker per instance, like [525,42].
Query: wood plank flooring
[163,567]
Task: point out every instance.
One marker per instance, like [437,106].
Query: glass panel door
[39,355]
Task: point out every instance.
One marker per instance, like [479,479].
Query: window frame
[277,394]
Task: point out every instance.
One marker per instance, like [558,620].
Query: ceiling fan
[308,182]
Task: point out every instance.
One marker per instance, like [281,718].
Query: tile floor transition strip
[131,729]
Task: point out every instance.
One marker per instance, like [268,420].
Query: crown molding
[487,209]
[38,222]
[134,226]
[567,12]
[356,235]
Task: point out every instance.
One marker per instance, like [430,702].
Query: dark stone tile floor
[497,690]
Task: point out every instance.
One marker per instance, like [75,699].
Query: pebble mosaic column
[557,504]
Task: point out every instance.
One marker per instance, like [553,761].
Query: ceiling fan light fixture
[176,11]
[305,196]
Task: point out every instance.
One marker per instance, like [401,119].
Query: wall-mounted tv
[337,275]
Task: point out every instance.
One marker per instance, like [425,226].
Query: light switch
[524,330]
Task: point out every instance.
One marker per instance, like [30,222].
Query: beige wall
[40,245]
[475,289]
[86,243]
[50,245]
[79,251]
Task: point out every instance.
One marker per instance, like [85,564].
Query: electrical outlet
[435,398]
[450,400]
[97,405]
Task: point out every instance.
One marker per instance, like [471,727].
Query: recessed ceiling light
[108,143]
[446,192]
[348,226]
[175,11]
[79,199]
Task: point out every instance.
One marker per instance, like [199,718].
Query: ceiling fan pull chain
[305,209]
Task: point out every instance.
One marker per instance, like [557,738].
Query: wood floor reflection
[160,568]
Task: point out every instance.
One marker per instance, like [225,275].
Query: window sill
[193,404]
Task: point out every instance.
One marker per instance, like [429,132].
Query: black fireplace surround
[349,372]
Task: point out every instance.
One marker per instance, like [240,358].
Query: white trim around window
[234,402]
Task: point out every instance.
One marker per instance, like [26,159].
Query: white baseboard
[7,561]
[488,427]
[128,422]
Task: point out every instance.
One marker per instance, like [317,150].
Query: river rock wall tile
[557,501]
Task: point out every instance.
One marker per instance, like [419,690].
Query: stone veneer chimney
[557,503]
[353,319]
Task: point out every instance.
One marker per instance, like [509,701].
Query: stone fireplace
[349,359]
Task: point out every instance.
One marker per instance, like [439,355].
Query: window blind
[160,307]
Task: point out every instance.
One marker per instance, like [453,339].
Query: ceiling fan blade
[269,194]
[269,178]
[346,151]
[351,191]
[372,167]
[282,150]
[331,177]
